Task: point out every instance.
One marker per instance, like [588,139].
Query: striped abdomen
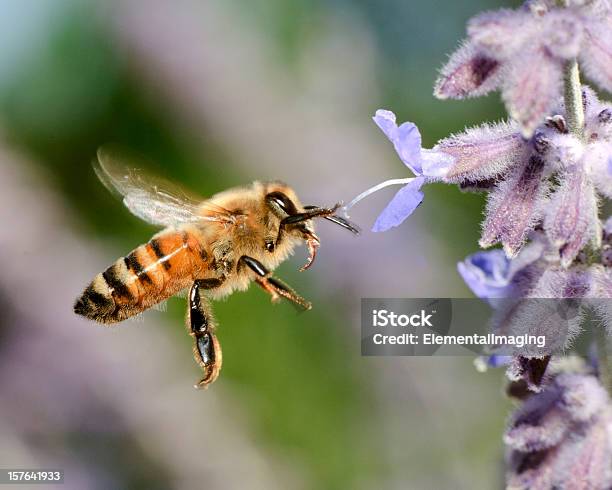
[151,273]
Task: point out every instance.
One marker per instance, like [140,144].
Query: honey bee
[210,246]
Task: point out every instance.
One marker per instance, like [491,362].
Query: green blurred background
[215,94]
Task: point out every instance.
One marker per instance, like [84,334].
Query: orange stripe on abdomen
[164,265]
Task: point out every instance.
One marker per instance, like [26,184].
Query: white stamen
[374,189]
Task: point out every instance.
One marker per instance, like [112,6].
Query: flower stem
[572,92]
[574,110]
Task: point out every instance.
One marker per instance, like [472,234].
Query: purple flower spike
[514,207]
[401,206]
[570,219]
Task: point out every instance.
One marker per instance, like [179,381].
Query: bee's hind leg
[206,349]
[274,286]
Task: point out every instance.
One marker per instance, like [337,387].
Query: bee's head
[297,220]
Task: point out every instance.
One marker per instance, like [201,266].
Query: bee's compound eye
[280,201]
[270,246]
[206,349]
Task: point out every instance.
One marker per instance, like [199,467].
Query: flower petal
[571,217]
[484,151]
[401,206]
[406,139]
[514,207]
[532,88]
[596,53]
[385,120]
[468,73]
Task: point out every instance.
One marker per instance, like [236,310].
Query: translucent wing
[154,200]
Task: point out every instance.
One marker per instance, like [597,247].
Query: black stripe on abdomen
[132,264]
[155,246]
[115,283]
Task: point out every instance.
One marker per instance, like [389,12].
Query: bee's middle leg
[274,286]
[206,349]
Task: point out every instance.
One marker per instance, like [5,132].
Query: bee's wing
[152,199]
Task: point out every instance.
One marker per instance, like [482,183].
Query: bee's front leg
[206,349]
[274,286]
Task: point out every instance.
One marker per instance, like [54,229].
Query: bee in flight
[210,246]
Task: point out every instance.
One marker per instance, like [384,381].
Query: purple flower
[426,165]
[492,275]
[523,52]
[487,273]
